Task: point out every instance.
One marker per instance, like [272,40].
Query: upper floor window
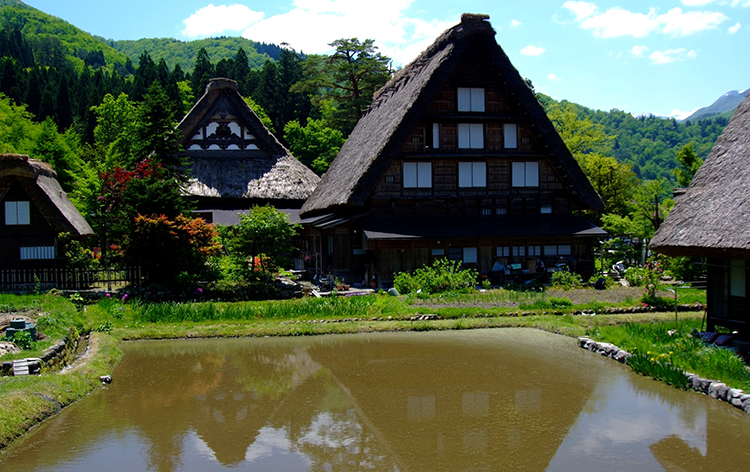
[17,213]
[472,174]
[470,136]
[510,135]
[470,99]
[417,174]
[526,174]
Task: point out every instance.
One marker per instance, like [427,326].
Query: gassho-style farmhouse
[455,158]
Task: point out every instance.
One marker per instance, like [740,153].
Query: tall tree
[156,135]
[349,78]
[689,164]
[203,71]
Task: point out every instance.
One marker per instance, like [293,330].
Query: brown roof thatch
[712,218]
[399,105]
[240,157]
[39,181]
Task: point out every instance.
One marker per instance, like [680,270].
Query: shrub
[566,280]
[22,339]
[442,276]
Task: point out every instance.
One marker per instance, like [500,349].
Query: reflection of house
[455,158]
[35,211]
[235,161]
[712,219]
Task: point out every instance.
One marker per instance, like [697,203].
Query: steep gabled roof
[39,182]
[399,105]
[233,155]
[712,217]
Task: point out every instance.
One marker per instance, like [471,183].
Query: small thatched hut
[712,219]
[454,158]
[35,211]
[235,161]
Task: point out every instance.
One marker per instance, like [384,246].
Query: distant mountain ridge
[724,106]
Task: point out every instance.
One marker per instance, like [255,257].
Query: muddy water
[453,401]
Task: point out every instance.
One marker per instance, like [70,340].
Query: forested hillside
[57,43]
[185,53]
[649,143]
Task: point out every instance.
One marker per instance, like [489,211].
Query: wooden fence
[26,280]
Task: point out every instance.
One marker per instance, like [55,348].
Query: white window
[550,250]
[564,250]
[436,135]
[503,251]
[438,252]
[470,99]
[37,252]
[519,251]
[17,213]
[471,136]
[510,135]
[501,211]
[470,255]
[546,209]
[525,174]
[472,174]
[535,250]
[417,174]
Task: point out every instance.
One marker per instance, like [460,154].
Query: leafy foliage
[566,280]
[262,240]
[315,144]
[442,276]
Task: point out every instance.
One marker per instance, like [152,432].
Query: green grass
[681,349]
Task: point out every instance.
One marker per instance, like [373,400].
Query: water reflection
[481,400]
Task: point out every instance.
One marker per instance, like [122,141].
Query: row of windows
[469,255]
[17,213]
[470,174]
[471,136]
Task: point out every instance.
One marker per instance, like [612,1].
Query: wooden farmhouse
[712,219]
[35,211]
[455,158]
[236,162]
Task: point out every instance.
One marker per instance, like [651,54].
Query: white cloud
[211,20]
[515,23]
[741,3]
[617,21]
[553,77]
[678,23]
[639,51]
[734,29]
[532,51]
[680,114]
[580,9]
[313,24]
[671,55]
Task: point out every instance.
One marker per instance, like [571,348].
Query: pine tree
[202,73]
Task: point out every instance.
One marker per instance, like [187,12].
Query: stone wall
[712,388]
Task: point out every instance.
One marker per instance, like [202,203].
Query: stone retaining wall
[54,356]
[712,388]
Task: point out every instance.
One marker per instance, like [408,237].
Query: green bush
[566,280]
[442,276]
[22,339]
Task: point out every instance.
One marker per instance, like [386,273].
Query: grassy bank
[26,401]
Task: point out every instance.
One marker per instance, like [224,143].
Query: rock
[718,390]
[105,379]
[393,292]
[621,356]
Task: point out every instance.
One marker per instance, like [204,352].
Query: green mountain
[184,53]
[724,106]
[55,41]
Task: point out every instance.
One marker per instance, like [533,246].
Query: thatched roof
[39,181]
[712,218]
[400,104]
[233,155]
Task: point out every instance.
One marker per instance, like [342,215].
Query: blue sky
[666,57]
